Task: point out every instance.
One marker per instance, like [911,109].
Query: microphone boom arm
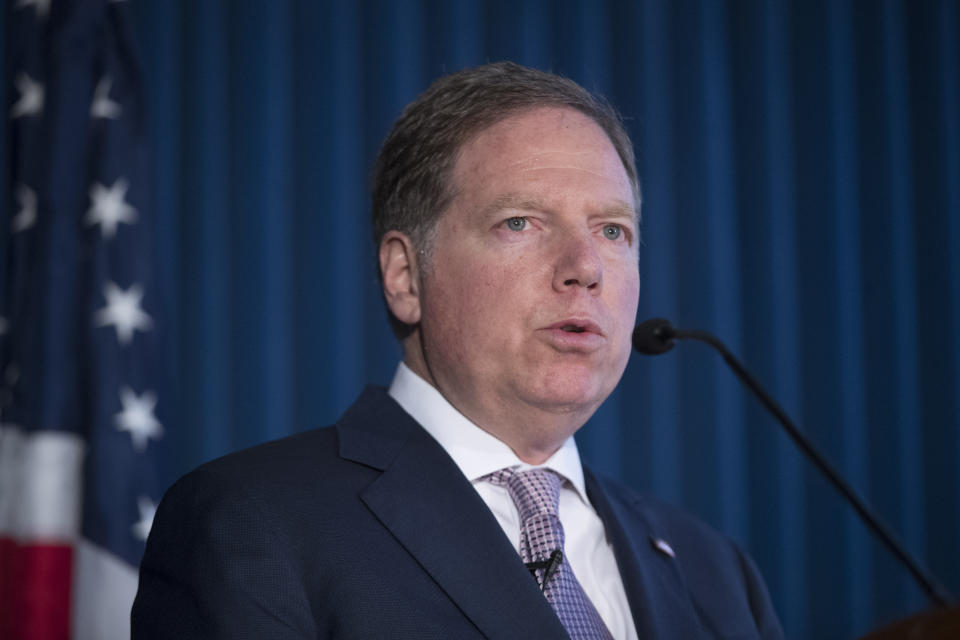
[934,590]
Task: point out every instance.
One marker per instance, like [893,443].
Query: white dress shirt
[479,453]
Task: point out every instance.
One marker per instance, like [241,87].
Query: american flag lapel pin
[663,547]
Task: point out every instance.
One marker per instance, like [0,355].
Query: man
[506,218]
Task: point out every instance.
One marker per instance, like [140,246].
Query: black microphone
[653,337]
[657,335]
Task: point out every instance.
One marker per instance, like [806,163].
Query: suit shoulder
[265,471]
[303,448]
[283,474]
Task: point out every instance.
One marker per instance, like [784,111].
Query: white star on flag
[102,106]
[137,418]
[108,208]
[147,509]
[42,6]
[123,311]
[27,216]
[31,97]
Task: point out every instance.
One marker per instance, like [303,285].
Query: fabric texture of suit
[368,529]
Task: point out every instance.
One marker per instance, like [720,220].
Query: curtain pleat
[772,304]
[659,421]
[332,249]
[162,51]
[274,162]
[719,221]
[909,419]
[846,305]
[945,529]
[800,165]
[206,278]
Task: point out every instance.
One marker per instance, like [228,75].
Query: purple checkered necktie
[537,493]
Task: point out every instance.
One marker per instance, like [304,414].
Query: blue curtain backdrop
[801,172]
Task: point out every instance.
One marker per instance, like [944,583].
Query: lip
[586,324]
[586,341]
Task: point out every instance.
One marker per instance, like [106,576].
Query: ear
[401,281]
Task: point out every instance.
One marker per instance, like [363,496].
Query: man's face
[530,294]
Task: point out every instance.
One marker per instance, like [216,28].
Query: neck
[541,431]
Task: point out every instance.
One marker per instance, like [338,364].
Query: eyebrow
[512,201]
[617,209]
[622,210]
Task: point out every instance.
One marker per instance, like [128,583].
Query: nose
[578,265]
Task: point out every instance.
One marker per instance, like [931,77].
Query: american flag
[83,402]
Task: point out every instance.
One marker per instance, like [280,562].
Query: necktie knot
[536,492]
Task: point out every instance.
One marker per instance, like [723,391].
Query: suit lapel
[656,589]
[422,497]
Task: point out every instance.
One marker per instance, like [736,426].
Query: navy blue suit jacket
[368,529]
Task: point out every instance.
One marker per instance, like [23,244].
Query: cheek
[627,288]
[632,296]
[625,308]
[464,299]
[479,311]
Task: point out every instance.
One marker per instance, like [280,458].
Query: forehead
[527,146]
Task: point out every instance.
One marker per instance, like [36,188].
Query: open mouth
[572,328]
[575,325]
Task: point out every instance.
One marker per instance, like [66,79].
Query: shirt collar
[475,451]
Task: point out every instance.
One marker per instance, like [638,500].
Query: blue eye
[612,231]
[517,223]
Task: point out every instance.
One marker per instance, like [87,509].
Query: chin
[566,393]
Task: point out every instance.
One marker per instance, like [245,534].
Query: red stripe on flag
[34,591]
[8,586]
